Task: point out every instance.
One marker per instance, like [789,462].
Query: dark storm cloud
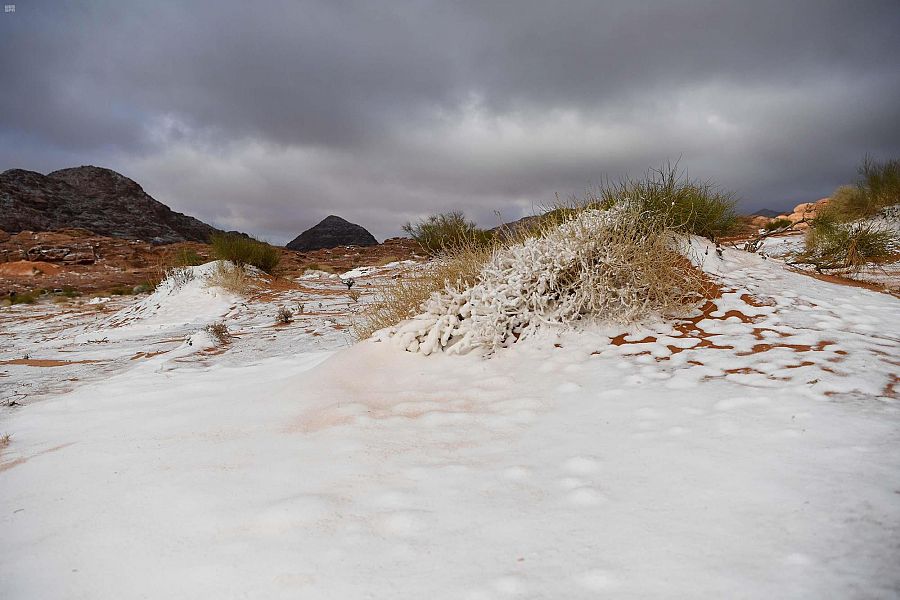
[268,116]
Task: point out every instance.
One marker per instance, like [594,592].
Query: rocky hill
[332,231]
[99,200]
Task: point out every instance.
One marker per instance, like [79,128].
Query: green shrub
[683,204]
[881,182]
[242,250]
[445,231]
[833,244]
[878,186]
[29,297]
[187,257]
[777,224]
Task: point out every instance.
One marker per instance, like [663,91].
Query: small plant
[4,440]
[231,277]
[445,231]
[301,308]
[219,331]
[244,250]
[179,276]
[777,224]
[354,295]
[284,316]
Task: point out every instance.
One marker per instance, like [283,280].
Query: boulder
[331,232]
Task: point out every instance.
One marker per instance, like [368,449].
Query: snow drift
[187,296]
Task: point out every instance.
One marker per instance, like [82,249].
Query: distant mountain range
[767,212]
[93,198]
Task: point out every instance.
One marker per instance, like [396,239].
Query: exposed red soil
[45,362]
[28,268]
[840,280]
[78,259]
[147,354]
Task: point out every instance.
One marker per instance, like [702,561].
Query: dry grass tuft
[220,332]
[456,268]
[233,278]
[284,316]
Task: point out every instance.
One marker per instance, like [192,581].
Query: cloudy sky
[268,116]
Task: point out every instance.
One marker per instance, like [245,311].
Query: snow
[750,452]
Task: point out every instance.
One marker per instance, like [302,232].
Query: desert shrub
[878,186]
[5,439]
[187,257]
[284,316]
[219,331]
[833,244]
[446,231]
[683,204]
[404,297]
[230,277]
[29,297]
[242,250]
[881,182]
[615,265]
[177,277]
[777,224]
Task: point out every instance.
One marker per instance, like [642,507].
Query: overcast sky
[268,116]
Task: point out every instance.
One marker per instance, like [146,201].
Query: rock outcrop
[99,200]
[331,232]
[805,211]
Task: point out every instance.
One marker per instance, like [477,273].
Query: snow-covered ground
[789,246]
[749,452]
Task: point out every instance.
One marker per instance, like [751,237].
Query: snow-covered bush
[404,297]
[617,265]
[177,277]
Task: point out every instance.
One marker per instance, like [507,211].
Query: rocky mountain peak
[330,232]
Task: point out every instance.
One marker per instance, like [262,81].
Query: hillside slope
[93,198]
